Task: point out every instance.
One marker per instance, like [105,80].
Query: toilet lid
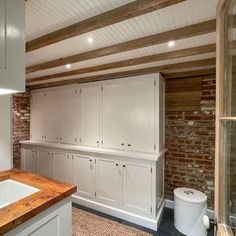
[190,195]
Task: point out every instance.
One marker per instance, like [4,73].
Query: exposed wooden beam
[131,62]
[149,70]
[192,73]
[176,34]
[113,16]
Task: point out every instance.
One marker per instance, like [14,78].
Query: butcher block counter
[48,205]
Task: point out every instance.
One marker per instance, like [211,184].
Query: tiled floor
[166,227]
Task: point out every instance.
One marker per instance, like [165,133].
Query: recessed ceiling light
[171,44]
[90,39]
[68,66]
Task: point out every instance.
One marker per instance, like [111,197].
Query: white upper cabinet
[71,116]
[90,115]
[114,115]
[53,116]
[38,109]
[12,45]
[119,115]
[142,115]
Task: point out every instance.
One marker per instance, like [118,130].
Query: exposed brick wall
[190,138]
[21,123]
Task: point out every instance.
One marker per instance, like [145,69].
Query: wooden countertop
[18,212]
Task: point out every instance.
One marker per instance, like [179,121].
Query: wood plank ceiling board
[140,44]
[169,18]
[122,13]
[147,65]
[156,49]
[135,61]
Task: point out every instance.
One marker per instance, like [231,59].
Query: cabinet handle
[90,160]
[61,138]
[129,145]
[123,165]
[97,141]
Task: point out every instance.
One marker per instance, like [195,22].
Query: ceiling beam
[131,62]
[176,34]
[192,73]
[163,69]
[130,10]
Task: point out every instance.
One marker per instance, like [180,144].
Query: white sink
[12,191]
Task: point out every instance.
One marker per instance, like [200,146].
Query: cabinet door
[137,184]
[108,181]
[30,160]
[63,167]
[142,115]
[46,164]
[83,175]
[70,116]
[12,44]
[114,115]
[53,116]
[38,116]
[90,97]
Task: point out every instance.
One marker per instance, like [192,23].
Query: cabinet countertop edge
[92,151]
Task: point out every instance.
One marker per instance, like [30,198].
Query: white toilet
[190,208]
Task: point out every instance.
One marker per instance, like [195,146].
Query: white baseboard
[128,216]
[170,204]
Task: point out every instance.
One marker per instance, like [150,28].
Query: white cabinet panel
[142,116]
[71,116]
[12,44]
[53,117]
[108,181]
[83,175]
[114,115]
[30,160]
[63,167]
[46,164]
[38,105]
[90,117]
[137,187]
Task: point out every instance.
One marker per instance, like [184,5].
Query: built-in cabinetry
[108,139]
[12,45]
[125,114]
[133,185]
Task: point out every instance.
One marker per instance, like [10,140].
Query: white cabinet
[53,115]
[83,175]
[46,166]
[30,160]
[71,116]
[12,44]
[142,115]
[90,115]
[38,109]
[114,115]
[63,167]
[108,181]
[137,188]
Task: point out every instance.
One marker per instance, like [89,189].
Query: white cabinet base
[55,221]
[128,216]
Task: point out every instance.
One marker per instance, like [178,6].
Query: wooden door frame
[222,230]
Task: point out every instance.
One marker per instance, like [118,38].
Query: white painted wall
[6,159]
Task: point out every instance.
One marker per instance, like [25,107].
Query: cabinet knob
[129,145]
[117,164]
[123,165]
[97,141]
[122,144]
[90,160]
[61,138]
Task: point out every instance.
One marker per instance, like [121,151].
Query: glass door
[225,199]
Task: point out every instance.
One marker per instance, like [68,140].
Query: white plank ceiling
[45,16]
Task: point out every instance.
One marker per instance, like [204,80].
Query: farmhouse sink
[12,191]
